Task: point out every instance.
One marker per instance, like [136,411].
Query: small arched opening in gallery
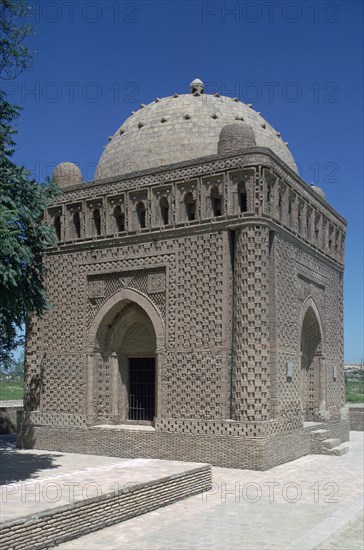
[190,205]
[216,201]
[76,225]
[96,218]
[164,209]
[141,214]
[242,196]
[119,218]
[57,227]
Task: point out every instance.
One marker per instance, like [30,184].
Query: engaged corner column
[250,394]
[114,363]
[160,360]
[90,410]
[322,382]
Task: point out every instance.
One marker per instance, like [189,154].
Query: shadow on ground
[16,467]
[6,425]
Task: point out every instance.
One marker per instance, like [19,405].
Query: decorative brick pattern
[102,389]
[250,374]
[64,394]
[199,316]
[101,287]
[50,418]
[299,278]
[190,389]
[228,296]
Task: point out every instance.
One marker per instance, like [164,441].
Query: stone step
[48,527]
[339,450]
[320,434]
[311,424]
[331,443]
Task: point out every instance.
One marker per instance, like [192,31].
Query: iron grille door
[141,388]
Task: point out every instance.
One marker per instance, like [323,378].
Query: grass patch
[354,391]
[10,389]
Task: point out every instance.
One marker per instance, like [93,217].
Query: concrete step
[331,443]
[340,450]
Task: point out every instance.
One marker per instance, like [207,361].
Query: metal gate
[141,388]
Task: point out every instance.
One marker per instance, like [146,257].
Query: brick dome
[67,173]
[235,137]
[182,128]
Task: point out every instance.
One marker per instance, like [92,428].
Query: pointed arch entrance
[125,345]
[312,362]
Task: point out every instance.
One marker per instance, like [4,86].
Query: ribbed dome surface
[182,128]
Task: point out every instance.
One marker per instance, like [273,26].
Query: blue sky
[299,63]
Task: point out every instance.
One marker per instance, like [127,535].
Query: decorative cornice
[196,168]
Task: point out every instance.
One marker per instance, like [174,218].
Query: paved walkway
[315,501]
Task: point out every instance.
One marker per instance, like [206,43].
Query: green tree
[23,234]
[13,368]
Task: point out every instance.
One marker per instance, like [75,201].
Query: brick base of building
[225,451]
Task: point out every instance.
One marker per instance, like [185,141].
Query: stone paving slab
[303,504]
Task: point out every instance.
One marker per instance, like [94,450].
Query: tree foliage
[15,56]
[23,234]
[13,368]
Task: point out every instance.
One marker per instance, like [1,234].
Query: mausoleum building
[197,297]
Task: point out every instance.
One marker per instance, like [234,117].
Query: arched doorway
[131,337]
[311,363]
[126,338]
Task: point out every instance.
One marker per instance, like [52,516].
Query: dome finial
[197,86]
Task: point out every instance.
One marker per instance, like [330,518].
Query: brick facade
[227,270]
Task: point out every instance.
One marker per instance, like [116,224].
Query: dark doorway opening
[310,365]
[141,388]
